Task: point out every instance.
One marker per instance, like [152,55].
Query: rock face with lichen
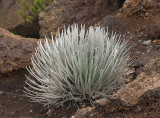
[58,14]
[140,98]
[15,51]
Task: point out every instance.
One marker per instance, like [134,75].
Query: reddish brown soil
[14,104]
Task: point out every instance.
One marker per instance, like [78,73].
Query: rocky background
[10,20]
[138,21]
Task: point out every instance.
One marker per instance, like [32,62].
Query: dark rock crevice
[120,3]
[28,30]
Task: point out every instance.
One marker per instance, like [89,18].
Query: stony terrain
[137,21]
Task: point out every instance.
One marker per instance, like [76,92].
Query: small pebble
[1,92]
[30,110]
[49,113]
[12,113]
[147,42]
[17,91]
[147,14]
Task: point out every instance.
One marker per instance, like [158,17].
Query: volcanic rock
[58,14]
[15,51]
[139,98]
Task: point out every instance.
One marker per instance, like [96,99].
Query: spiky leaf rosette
[76,65]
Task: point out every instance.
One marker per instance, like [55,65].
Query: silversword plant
[76,65]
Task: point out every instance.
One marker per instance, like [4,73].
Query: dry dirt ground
[15,105]
[138,30]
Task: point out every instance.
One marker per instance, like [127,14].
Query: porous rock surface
[139,99]
[61,13]
[15,51]
[139,7]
